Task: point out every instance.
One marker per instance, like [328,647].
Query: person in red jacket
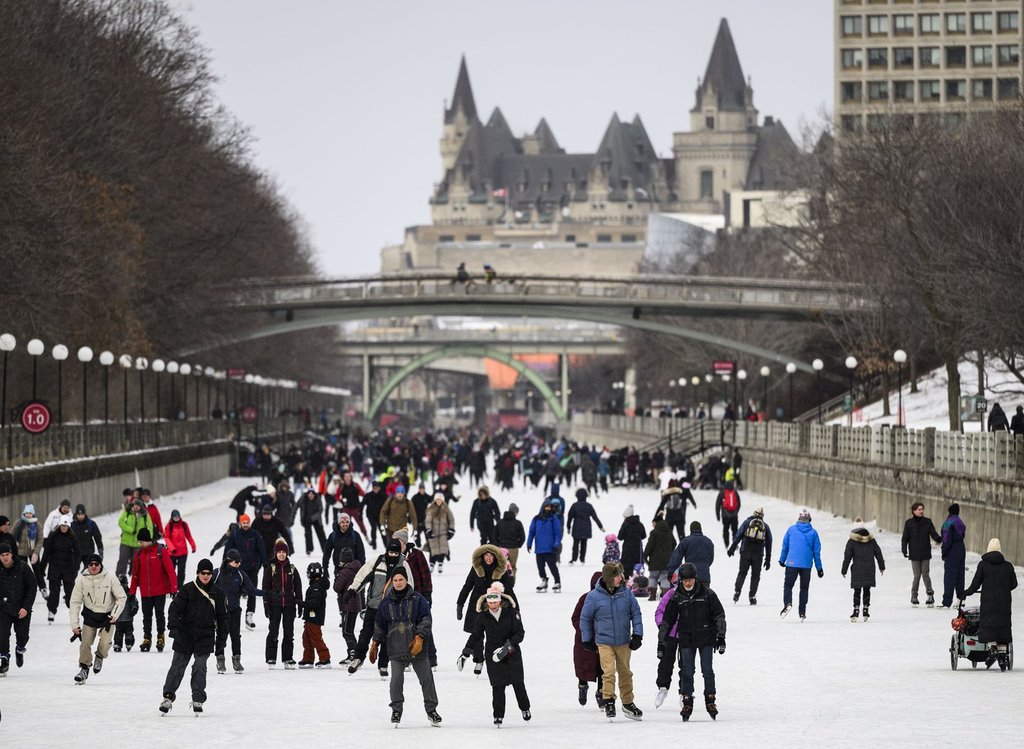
[154,514]
[178,538]
[153,576]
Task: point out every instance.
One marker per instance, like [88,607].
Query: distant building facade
[937,59]
[528,206]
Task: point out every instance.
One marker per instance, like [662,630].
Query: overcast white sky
[345,98]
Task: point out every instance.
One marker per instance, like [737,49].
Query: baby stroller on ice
[965,643]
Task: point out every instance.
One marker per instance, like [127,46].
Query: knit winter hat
[93,558]
[687,571]
[65,520]
[394,547]
[994,545]
[5,548]
[29,508]
[611,538]
[267,510]
[4,520]
[344,516]
[144,535]
[281,545]
[759,512]
[686,484]
[628,512]
[399,570]
[402,535]
[65,503]
[954,509]
[244,519]
[346,554]
[399,489]
[78,509]
[175,515]
[804,516]
[205,565]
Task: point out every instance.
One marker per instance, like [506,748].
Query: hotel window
[981,23]
[981,57]
[878,90]
[1008,88]
[903,24]
[852,25]
[930,91]
[956,23]
[929,57]
[981,89]
[903,90]
[850,91]
[852,59]
[1008,54]
[1009,21]
[878,25]
[956,90]
[931,23]
[903,57]
[878,57]
[956,57]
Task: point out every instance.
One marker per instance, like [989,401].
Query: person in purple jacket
[954,556]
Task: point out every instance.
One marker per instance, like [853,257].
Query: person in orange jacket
[153,576]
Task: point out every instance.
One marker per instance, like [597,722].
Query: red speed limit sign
[35,417]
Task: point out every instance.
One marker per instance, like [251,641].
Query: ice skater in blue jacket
[800,549]
[546,532]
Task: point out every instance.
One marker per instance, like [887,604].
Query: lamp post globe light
[158,366]
[695,381]
[197,371]
[142,364]
[817,365]
[210,374]
[184,370]
[765,372]
[7,345]
[106,359]
[126,362]
[851,364]
[741,381]
[35,349]
[85,356]
[900,357]
[790,370]
[60,354]
[172,369]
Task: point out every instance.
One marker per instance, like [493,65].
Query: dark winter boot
[82,675]
[687,710]
[583,693]
[631,711]
[160,642]
[222,666]
[709,704]
[129,642]
[866,613]
[855,614]
[930,603]
[146,644]
[236,664]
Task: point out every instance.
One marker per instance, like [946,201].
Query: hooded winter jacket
[610,617]
[862,551]
[480,578]
[90,540]
[400,617]
[178,537]
[153,572]
[17,588]
[696,616]
[801,546]
[577,522]
[631,536]
[698,550]
[507,627]
[545,532]
[660,545]
[509,532]
[586,663]
[995,578]
[131,523]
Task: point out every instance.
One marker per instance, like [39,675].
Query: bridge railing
[989,455]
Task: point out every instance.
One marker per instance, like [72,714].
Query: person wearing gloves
[489,566]
[396,514]
[98,599]
[232,580]
[90,540]
[374,575]
[402,624]
[134,518]
[862,551]
[918,533]
[255,556]
[484,514]
[996,579]
[153,577]
[801,548]
[696,615]
[62,558]
[17,594]
[611,624]
[314,616]
[754,539]
[282,604]
[178,537]
[578,525]
[954,556]
[546,531]
[499,623]
[198,619]
[440,523]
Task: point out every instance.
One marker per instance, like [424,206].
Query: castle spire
[463,97]
[724,75]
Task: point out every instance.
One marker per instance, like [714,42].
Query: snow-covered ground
[928,407]
[826,682]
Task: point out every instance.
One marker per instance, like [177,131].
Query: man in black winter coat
[344,536]
[61,558]
[918,533]
[579,527]
[995,578]
[754,539]
[90,540]
[699,618]
[249,544]
[997,421]
[484,515]
[1017,422]
[698,550]
[197,620]
[17,594]
[271,528]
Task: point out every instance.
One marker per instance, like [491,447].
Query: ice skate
[753,601]
[326,663]
[660,698]
[5,664]
[557,588]
[354,665]
[117,648]
[543,587]
[396,717]
[497,722]
[167,704]
[915,603]
[930,603]
[222,666]
[687,706]
[526,715]
[19,657]
[160,642]
[785,610]
[609,709]
[97,665]
[631,711]
[236,664]
[197,708]
[736,597]
[250,623]
[710,706]
[583,693]
[82,675]
[434,718]
[50,616]
[383,671]
[146,644]
[271,664]
[478,668]
[303,665]
[289,665]
[866,615]
[854,616]
[803,618]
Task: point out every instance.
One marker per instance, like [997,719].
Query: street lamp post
[106,359]
[899,356]
[197,370]
[35,349]
[695,381]
[708,379]
[818,365]
[126,361]
[741,378]
[60,353]
[210,373]
[158,366]
[172,369]
[7,344]
[851,364]
[141,364]
[185,370]
[765,372]
[790,370]
[85,356]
